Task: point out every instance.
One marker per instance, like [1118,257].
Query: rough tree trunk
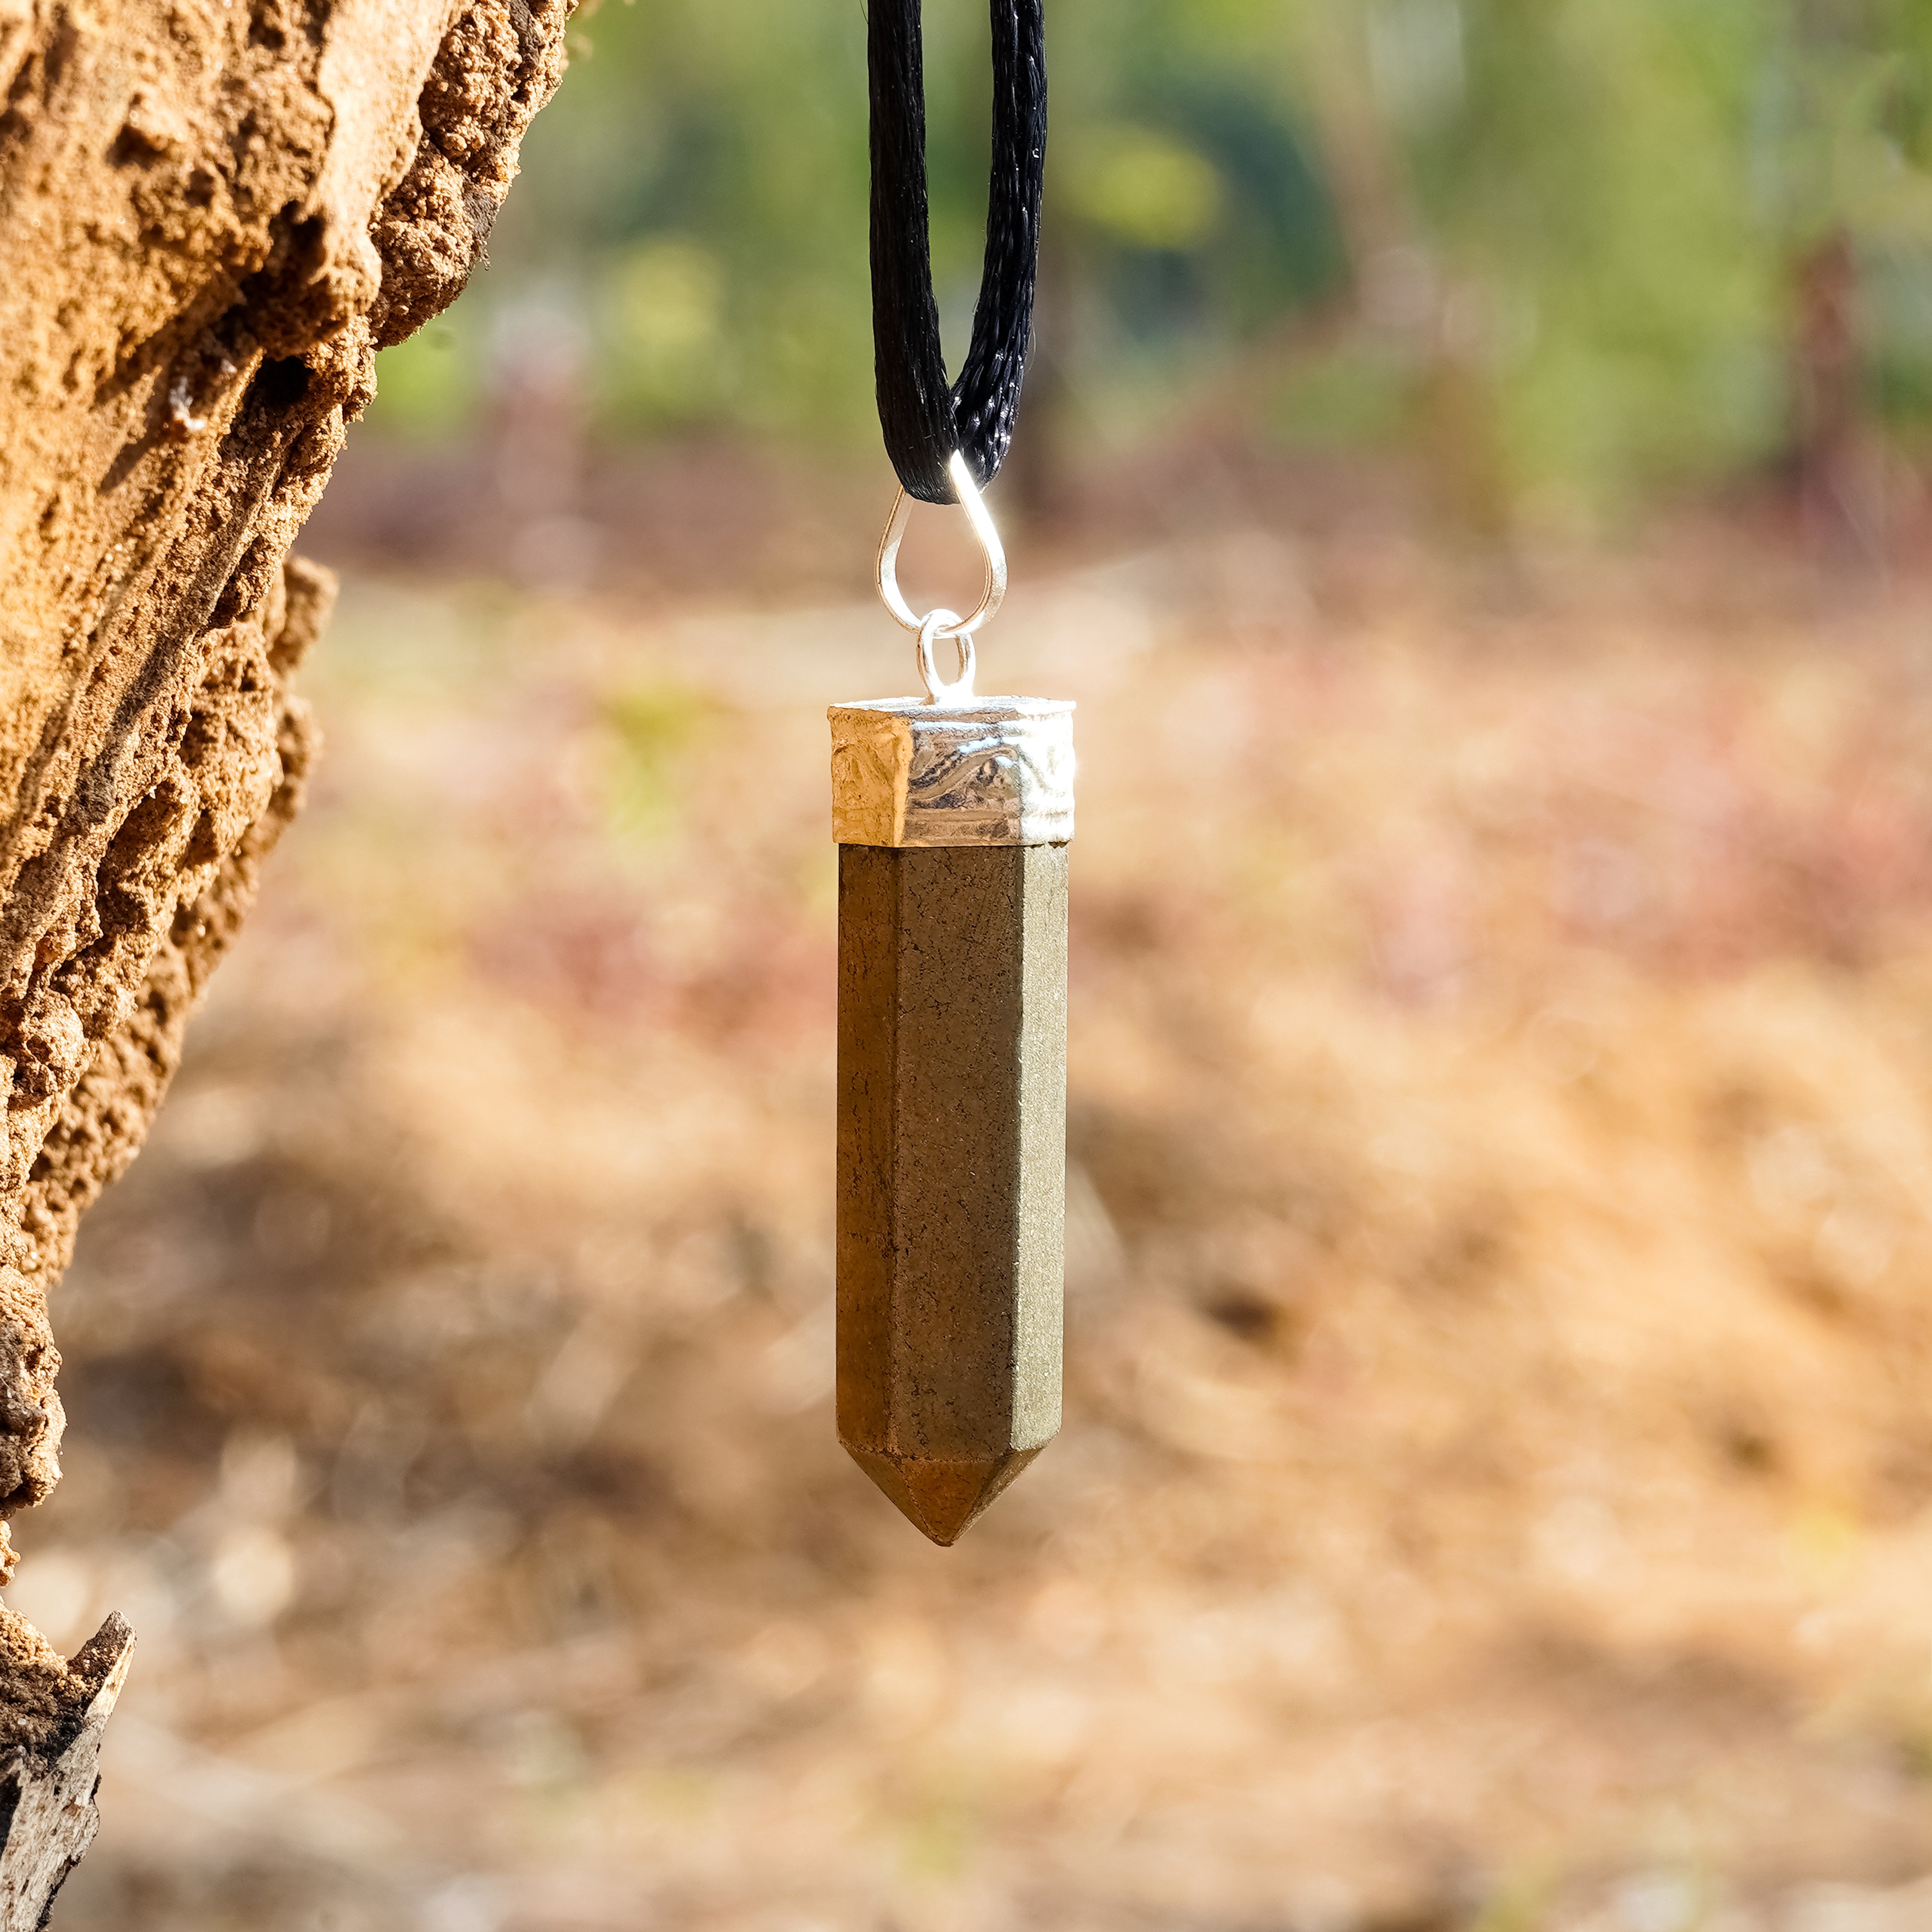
[212,214]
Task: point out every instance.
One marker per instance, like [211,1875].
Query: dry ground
[1497,1487]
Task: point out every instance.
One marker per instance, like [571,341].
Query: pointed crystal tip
[941,1499]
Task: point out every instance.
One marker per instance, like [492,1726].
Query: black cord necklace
[926,419]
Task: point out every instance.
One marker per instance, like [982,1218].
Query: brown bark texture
[213,213]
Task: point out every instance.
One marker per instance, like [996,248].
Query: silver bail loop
[951,626]
[944,624]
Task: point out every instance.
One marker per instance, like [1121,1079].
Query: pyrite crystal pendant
[953,818]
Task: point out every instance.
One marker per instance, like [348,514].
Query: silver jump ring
[946,624]
[887,571]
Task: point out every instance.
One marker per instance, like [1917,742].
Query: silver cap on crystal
[988,771]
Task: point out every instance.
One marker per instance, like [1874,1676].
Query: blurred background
[1474,479]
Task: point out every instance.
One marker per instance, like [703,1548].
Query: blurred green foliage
[651,730]
[1581,221]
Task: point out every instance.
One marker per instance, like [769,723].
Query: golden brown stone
[952,1161]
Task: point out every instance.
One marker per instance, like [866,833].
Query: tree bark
[47,1786]
[211,216]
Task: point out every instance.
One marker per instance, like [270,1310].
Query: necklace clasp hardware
[976,514]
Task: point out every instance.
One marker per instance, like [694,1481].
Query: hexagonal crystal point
[951,1151]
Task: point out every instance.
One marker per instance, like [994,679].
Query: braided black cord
[924,420]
